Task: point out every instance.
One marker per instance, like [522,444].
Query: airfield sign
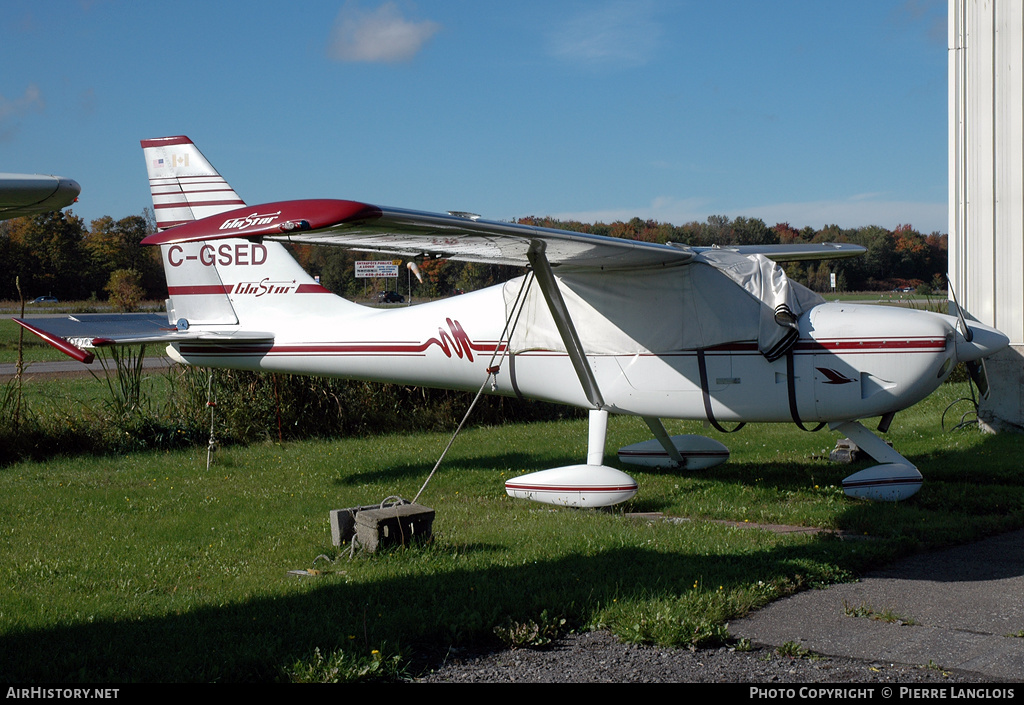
[374,268]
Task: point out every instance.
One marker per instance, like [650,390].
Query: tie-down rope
[492,370]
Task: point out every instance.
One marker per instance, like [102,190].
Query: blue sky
[806,112]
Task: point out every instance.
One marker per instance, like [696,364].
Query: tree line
[56,254]
[894,259]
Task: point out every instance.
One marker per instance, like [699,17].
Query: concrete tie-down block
[376,527]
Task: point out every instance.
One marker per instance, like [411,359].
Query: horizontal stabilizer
[76,335]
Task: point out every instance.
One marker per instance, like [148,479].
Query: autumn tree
[786,235]
[753,231]
[47,254]
[116,245]
[125,289]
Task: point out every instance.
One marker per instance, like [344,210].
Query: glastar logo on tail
[265,286]
[249,221]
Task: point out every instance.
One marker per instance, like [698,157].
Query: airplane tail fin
[185,186]
[234,282]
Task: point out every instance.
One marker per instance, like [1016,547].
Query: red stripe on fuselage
[862,346]
[370,348]
[837,345]
[847,345]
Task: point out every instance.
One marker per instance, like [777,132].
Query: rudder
[228,282]
[184,185]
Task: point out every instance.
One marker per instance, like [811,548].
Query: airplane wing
[30,194]
[76,336]
[408,233]
[793,253]
[455,236]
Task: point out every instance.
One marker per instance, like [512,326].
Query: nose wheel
[894,479]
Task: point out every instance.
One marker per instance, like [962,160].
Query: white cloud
[614,33]
[382,35]
[12,109]
[31,100]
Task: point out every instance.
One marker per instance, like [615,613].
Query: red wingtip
[59,343]
[267,219]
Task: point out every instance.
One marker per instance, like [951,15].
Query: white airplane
[31,194]
[610,325]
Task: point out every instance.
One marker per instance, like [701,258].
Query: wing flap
[76,336]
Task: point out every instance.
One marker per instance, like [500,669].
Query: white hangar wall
[986,186]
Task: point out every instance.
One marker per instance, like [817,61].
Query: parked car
[44,300]
[390,297]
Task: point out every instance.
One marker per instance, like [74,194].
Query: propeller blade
[976,368]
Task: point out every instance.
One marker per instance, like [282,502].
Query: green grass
[149,567]
[34,349]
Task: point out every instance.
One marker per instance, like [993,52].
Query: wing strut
[658,429]
[594,484]
[895,478]
[556,304]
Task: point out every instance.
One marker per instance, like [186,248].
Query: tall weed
[255,406]
[130,412]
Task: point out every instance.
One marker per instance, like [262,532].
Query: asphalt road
[73,367]
[962,615]
[959,608]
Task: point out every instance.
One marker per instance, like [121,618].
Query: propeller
[968,333]
[979,375]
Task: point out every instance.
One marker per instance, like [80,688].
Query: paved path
[964,607]
[73,367]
